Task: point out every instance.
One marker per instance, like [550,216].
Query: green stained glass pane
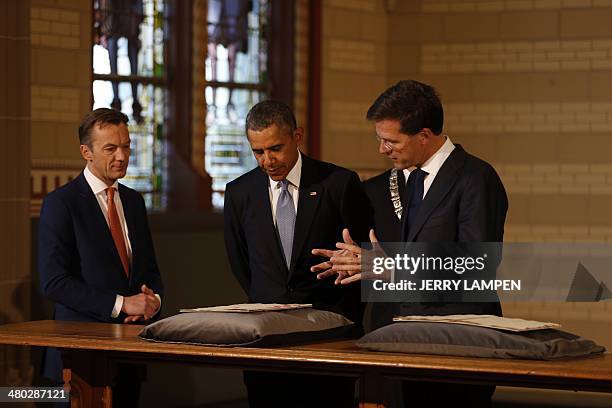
[237,56]
[129,37]
[147,169]
[129,41]
[235,41]
[228,154]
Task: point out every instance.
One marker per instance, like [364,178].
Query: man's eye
[258,151]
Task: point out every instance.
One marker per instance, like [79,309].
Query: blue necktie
[285,220]
[415,189]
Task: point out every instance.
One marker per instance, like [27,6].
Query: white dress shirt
[433,164]
[274,187]
[99,189]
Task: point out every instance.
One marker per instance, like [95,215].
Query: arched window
[129,74]
[236,78]
[166,62]
[249,58]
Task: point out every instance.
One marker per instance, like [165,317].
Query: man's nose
[382,148]
[121,154]
[268,158]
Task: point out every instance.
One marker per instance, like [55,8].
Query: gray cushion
[471,341]
[249,329]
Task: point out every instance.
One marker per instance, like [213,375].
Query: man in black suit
[96,256]
[274,215]
[450,196]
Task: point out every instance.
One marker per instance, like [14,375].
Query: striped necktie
[116,231]
[285,220]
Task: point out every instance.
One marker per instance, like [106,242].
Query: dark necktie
[414,195]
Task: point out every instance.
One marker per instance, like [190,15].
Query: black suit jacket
[387,225]
[466,202]
[80,269]
[330,199]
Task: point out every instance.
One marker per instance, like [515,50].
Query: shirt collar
[294,175]
[433,165]
[97,185]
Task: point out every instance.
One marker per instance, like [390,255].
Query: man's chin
[277,177]
[119,175]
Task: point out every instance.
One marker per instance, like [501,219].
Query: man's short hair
[268,113]
[100,117]
[414,104]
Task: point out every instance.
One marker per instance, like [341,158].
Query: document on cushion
[250,307]
[490,321]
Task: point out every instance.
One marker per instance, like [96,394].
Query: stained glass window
[129,60]
[236,76]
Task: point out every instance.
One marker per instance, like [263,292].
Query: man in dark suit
[450,196]
[96,256]
[274,215]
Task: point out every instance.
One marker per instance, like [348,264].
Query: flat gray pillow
[471,341]
[249,329]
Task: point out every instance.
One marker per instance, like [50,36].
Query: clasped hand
[142,306]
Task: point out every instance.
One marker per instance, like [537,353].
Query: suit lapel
[95,214]
[444,181]
[401,186]
[308,203]
[265,222]
[405,202]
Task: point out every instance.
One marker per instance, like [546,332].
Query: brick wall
[526,85]
[354,66]
[60,91]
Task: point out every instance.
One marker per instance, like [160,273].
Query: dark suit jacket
[466,203]
[330,199]
[80,269]
[387,226]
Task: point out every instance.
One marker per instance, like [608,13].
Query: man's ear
[427,132]
[423,136]
[86,152]
[298,134]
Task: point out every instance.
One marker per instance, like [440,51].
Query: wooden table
[91,349]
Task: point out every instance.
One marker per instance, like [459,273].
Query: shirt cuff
[117,307]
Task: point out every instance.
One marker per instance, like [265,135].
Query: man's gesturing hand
[345,262]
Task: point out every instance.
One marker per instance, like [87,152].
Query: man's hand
[356,274]
[142,306]
[345,262]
